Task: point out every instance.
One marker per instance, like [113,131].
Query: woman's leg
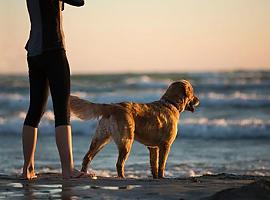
[63,139]
[59,81]
[38,100]
[29,140]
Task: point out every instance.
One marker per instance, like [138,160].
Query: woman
[48,69]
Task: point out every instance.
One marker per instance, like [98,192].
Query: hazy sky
[149,35]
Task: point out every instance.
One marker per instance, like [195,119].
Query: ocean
[228,133]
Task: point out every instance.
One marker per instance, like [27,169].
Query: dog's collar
[167,101]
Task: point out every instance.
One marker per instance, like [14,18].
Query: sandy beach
[52,186]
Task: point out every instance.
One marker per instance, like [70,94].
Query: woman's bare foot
[78,174]
[29,174]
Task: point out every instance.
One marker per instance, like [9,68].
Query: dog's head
[181,95]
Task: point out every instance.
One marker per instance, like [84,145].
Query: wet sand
[52,186]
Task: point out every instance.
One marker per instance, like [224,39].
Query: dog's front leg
[164,150]
[154,161]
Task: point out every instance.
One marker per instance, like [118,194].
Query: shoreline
[51,186]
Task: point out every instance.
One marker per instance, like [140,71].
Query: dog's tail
[86,110]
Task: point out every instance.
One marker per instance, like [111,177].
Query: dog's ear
[180,94]
[177,93]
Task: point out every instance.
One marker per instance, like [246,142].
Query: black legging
[49,71]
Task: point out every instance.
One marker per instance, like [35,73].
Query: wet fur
[152,124]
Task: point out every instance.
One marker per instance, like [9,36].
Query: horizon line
[149,72]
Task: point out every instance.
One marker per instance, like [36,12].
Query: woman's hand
[74,2]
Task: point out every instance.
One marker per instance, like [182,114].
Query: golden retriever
[152,124]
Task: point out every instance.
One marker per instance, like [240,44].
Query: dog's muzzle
[192,104]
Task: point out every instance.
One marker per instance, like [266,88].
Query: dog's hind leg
[163,155]
[101,138]
[124,148]
[154,161]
